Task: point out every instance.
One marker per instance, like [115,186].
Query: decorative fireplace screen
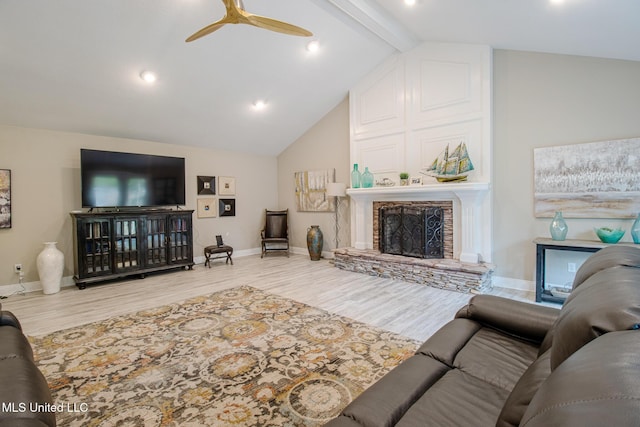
[412,231]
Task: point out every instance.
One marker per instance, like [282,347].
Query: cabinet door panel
[96,246]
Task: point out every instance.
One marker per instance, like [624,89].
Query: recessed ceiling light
[410,2]
[260,104]
[148,76]
[313,46]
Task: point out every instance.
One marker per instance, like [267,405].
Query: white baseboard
[511,283]
[8,290]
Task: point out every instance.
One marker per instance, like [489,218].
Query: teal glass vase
[367,179]
[635,230]
[355,177]
[558,227]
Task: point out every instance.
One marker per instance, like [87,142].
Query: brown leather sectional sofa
[25,399]
[506,363]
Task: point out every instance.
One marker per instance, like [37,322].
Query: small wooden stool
[225,250]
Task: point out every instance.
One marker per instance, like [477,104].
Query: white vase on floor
[50,263]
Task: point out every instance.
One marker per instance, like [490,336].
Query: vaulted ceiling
[75,65]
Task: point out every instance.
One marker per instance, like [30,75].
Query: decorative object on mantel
[451,168]
[609,235]
[404,178]
[50,263]
[5,198]
[558,227]
[635,230]
[311,190]
[415,180]
[337,190]
[591,180]
[385,182]
[367,178]
[356,176]
[315,242]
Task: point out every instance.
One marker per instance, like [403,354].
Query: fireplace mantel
[471,211]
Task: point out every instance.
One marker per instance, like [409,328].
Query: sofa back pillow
[611,256]
[598,385]
[607,301]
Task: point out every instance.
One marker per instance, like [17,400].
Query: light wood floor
[413,310]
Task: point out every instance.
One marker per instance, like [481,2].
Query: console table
[112,245]
[544,244]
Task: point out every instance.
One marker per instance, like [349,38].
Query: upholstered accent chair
[275,235]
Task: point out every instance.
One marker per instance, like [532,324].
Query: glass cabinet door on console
[156,253]
[180,248]
[126,244]
[95,242]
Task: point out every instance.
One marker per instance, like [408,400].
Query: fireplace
[466,236]
[412,231]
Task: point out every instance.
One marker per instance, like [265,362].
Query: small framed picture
[227,207]
[226,186]
[207,207]
[415,180]
[206,184]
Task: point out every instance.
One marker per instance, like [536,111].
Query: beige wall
[45,168]
[324,146]
[544,100]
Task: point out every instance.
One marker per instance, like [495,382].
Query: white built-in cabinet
[405,112]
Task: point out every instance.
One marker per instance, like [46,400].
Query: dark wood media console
[114,245]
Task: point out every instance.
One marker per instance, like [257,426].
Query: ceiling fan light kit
[236,14]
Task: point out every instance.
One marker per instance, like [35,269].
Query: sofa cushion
[524,390]
[598,385]
[607,301]
[386,401]
[457,399]
[496,358]
[14,343]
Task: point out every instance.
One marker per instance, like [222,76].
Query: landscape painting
[591,180]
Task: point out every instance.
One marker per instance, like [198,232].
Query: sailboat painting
[452,167]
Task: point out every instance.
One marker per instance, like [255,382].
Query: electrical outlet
[571,267]
[17,268]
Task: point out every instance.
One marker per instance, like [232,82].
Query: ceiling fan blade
[278,26]
[206,30]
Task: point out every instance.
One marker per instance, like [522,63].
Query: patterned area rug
[241,357]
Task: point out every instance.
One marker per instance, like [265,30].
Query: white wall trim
[511,283]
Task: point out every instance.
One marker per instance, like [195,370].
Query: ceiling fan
[236,14]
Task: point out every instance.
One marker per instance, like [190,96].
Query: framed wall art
[590,180]
[207,207]
[226,186]
[227,207]
[311,190]
[206,184]
[5,198]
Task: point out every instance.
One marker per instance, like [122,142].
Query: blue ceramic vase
[314,242]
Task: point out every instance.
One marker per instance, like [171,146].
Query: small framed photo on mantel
[415,180]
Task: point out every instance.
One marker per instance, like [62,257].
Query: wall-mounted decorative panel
[377,104]
[444,82]
[383,154]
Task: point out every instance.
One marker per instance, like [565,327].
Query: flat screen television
[113,179]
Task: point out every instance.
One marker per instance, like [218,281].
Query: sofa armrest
[8,319]
[522,319]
